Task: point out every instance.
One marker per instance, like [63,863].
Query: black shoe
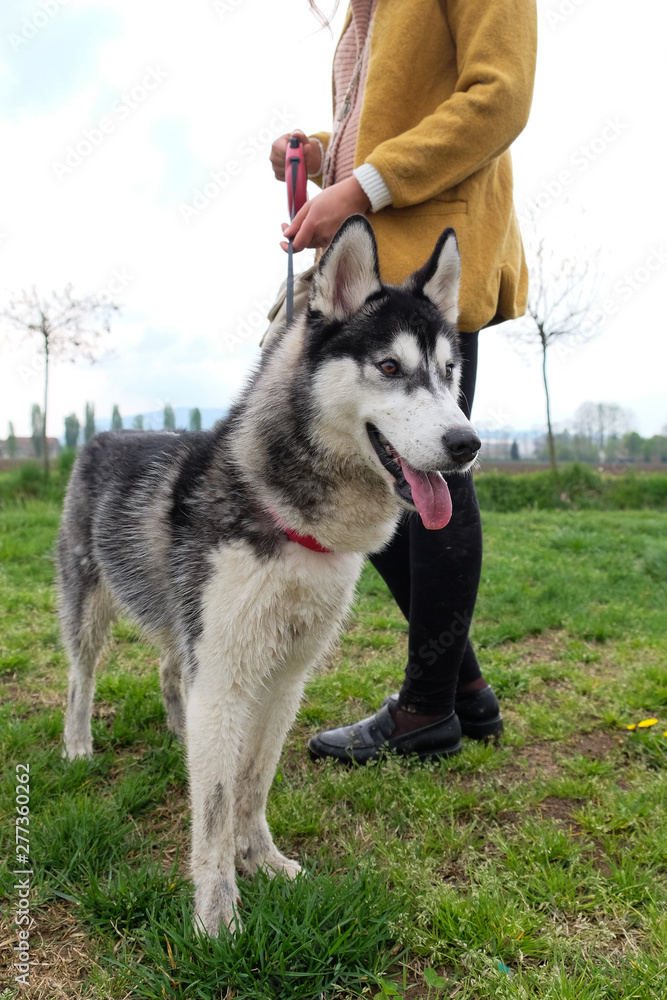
[478,712]
[371,738]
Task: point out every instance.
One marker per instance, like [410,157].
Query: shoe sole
[382,754]
[489,729]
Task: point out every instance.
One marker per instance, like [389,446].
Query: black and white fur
[180,532]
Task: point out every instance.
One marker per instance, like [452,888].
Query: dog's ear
[440,277]
[348,272]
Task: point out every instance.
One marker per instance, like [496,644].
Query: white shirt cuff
[373,185]
[313,138]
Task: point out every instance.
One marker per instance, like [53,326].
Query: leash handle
[295,175]
[296,178]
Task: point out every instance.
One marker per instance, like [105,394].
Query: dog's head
[386,366]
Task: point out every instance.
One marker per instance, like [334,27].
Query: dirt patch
[595,745]
[599,860]
[542,646]
[453,874]
[559,809]
[60,955]
[536,760]
[415,987]
[597,659]
[508,818]
[38,699]
[540,760]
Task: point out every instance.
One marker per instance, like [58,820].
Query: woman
[428,96]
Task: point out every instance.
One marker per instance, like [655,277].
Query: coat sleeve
[496,46]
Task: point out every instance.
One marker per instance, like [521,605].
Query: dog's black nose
[462,443]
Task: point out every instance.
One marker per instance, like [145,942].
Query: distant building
[25,448]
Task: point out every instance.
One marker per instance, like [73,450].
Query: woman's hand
[311,154]
[317,222]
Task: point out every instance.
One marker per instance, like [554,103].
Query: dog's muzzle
[425,491]
[387,456]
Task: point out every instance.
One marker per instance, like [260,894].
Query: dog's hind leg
[171,683]
[84,628]
[272,713]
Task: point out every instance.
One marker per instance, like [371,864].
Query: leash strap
[295,175]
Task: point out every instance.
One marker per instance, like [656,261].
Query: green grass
[537,869]
[572,487]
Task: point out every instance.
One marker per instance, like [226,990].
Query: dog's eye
[449,370]
[389,367]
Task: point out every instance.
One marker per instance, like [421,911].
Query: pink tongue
[430,494]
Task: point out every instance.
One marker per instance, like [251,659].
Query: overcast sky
[115,115]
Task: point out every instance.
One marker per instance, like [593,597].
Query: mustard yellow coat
[449,88]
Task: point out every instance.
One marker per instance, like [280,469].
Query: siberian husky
[238,549]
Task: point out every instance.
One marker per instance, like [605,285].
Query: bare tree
[560,308]
[601,423]
[68,327]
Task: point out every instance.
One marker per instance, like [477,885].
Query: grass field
[537,869]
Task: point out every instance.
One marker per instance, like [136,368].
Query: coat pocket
[435,206]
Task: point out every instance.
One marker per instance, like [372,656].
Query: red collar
[307,541]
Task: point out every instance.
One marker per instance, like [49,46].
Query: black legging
[433,577]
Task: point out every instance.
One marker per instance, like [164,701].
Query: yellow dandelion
[631,726]
[665,733]
[645,723]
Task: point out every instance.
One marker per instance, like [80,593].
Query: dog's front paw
[276,863]
[211,924]
[218,909]
[257,851]
[77,748]
[288,866]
